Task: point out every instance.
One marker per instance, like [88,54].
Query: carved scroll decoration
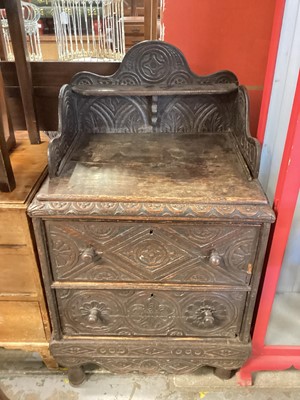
[157,356]
[259,213]
[154,63]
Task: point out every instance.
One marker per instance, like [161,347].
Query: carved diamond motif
[153,253]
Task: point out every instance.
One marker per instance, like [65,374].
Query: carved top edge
[238,212]
[155,63]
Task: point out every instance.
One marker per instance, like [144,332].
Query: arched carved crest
[154,63]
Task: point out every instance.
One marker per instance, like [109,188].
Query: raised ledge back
[154,64]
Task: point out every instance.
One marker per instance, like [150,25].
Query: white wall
[284,84]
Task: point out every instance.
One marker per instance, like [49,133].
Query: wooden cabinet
[152,226]
[134,30]
[24,322]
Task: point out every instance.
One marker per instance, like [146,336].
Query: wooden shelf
[105,90]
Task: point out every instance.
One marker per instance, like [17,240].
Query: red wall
[224,34]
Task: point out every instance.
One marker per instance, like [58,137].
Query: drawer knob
[93,315]
[90,254]
[214,259]
[208,319]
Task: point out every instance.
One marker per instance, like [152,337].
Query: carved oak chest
[152,225]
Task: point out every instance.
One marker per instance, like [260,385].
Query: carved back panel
[149,65]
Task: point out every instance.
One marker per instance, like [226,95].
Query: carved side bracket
[63,141]
[249,146]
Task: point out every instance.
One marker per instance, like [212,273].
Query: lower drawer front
[21,322]
[150,313]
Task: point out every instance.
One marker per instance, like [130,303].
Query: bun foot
[224,373]
[76,376]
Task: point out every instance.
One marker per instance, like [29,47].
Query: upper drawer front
[186,253]
[150,313]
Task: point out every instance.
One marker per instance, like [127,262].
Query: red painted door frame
[270,70]
[277,357]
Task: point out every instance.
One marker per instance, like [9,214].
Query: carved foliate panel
[108,251]
[176,114]
[150,313]
[114,114]
[200,114]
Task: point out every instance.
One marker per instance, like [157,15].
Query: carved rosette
[208,313]
[65,251]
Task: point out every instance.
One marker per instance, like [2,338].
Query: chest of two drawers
[143,279]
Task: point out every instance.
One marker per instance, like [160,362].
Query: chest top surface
[145,167]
